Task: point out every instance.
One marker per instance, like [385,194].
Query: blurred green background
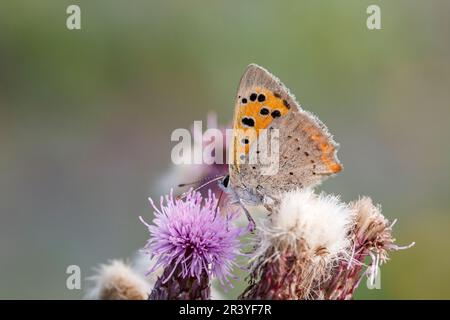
[86,117]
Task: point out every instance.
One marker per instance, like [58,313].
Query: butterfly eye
[225,181]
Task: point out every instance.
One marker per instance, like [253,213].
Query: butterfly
[306,150]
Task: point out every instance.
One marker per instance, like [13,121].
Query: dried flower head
[299,245]
[189,238]
[371,236]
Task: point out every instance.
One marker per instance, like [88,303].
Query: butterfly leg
[234,199]
[251,223]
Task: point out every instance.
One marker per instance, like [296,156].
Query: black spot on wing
[264,111]
[261,97]
[249,122]
[276,114]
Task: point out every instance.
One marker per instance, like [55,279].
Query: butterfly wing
[307,152]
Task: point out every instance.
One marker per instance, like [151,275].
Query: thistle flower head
[321,221]
[371,236]
[305,237]
[191,237]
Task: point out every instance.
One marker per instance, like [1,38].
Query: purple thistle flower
[190,239]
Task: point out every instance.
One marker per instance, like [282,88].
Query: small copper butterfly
[307,151]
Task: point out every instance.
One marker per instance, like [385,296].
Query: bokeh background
[86,118]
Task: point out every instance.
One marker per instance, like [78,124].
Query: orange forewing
[252,109]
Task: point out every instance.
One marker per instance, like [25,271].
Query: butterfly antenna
[198,181]
[189,183]
[200,187]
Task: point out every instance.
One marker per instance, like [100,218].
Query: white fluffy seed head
[130,281]
[117,281]
[322,221]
